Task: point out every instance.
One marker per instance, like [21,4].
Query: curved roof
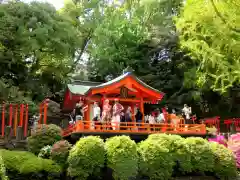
[123,77]
[82,89]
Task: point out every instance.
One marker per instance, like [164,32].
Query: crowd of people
[110,115]
[114,115]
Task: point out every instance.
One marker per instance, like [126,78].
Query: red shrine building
[127,88]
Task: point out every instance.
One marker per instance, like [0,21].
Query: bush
[225,165]
[155,160]
[45,152]
[122,157]
[21,162]
[60,151]
[234,145]
[44,135]
[2,169]
[202,158]
[177,148]
[86,157]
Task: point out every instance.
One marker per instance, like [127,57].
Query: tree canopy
[210,31]
[187,49]
[37,49]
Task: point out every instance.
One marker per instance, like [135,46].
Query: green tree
[208,30]
[38,46]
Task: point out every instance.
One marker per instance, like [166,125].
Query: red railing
[131,127]
[234,121]
[214,121]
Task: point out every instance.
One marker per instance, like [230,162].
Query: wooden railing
[233,121]
[132,127]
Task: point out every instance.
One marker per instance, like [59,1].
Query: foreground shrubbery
[60,151]
[21,164]
[224,163]
[86,158]
[2,169]
[234,145]
[43,135]
[122,157]
[159,157]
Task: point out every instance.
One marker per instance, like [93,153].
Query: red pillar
[21,115]
[16,120]
[3,119]
[45,113]
[10,115]
[26,121]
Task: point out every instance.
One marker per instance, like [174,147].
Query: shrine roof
[78,89]
[84,87]
[119,78]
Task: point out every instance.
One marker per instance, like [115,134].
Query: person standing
[106,113]
[187,111]
[138,117]
[128,117]
[117,110]
[78,111]
[96,114]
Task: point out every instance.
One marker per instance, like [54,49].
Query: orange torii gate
[17,115]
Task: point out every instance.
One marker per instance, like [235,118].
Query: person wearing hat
[117,110]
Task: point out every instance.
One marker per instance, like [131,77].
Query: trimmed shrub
[2,169]
[177,147]
[122,157]
[225,165]
[43,135]
[86,158]
[22,162]
[202,158]
[155,160]
[60,151]
[234,145]
[45,152]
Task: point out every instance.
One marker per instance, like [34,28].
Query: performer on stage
[78,111]
[187,111]
[117,109]
[96,114]
[106,115]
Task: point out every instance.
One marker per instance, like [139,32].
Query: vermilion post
[16,120]
[21,115]
[40,114]
[26,120]
[10,115]
[45,113]
[3,118]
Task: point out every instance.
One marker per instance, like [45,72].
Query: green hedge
[202,158]
[158,157]
[177,148]
[156,161]
[22,162]
[60,151]
[224,161]
[43,135]
[86,158]
[122,157]
[2,169]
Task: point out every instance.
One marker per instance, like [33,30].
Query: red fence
[233,121]
[214,121]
